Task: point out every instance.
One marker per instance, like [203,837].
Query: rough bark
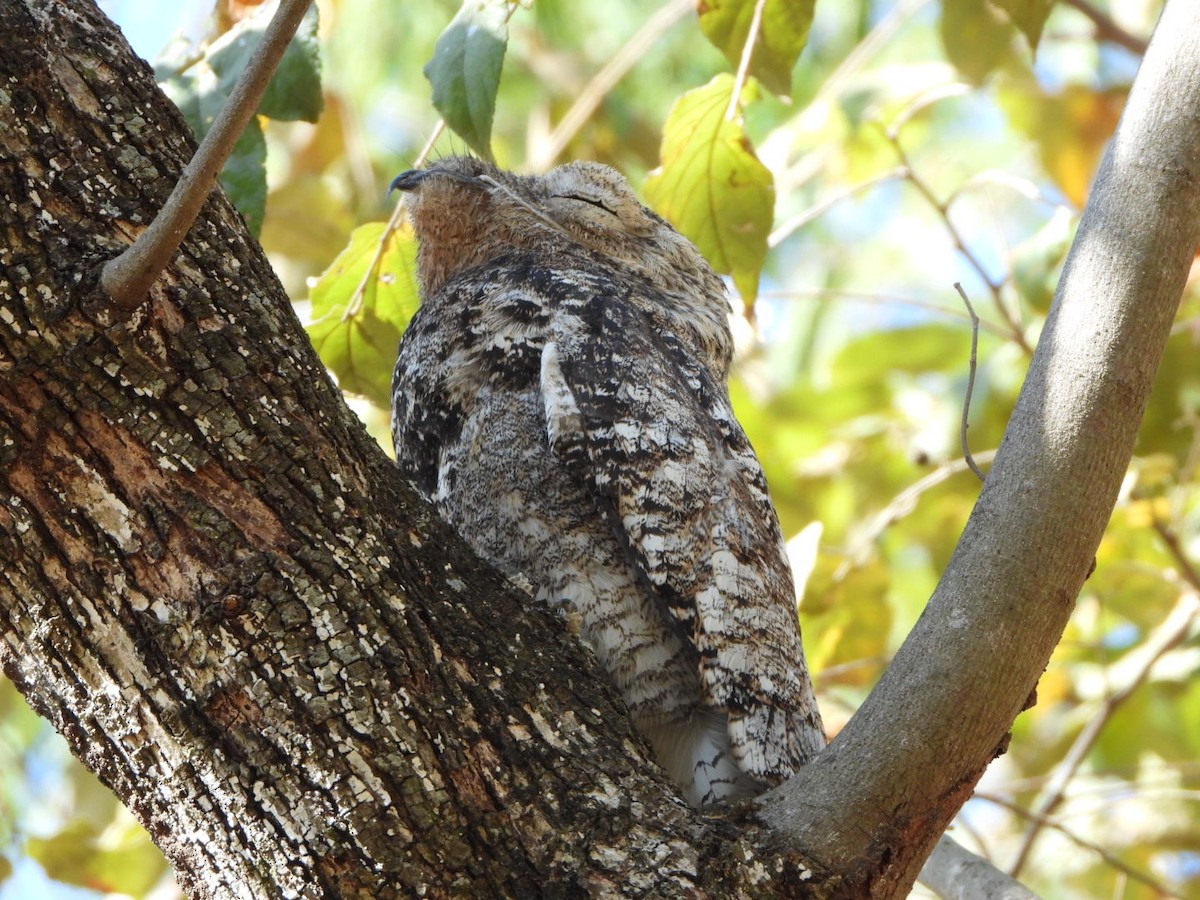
[215,586]
[213,583]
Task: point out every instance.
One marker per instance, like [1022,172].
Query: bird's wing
[651,433]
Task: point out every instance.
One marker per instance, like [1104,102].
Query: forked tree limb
[215,585]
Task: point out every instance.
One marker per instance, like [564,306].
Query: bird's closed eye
[590,201]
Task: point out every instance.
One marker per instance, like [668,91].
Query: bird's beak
[408,181]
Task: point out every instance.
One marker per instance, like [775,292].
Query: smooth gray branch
[955,873]
[1009,590]
[128,278]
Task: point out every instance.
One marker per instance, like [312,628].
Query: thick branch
[955,873]
[906,762]
[213,583]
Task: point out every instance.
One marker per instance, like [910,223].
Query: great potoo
[561,398]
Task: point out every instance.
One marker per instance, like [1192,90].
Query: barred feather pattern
[560,397]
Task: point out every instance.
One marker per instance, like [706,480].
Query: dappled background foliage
[861,161]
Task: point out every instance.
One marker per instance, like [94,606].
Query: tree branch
[1132,672]
[964,424]
[955,873]
[1107,29]
[217,587]
[544,154]
[127,278]
[998,612]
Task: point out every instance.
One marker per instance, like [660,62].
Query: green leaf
[465,70]
[781,36]
[294,93]
[357,335]
[917,350]
[244,177]
[1029,16]
[976,38]
[295,88]
[712,187]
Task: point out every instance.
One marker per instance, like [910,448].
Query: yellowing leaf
[847,623]
[712,187]
[1071,128]
[117,857]
[781,35]
[356,332]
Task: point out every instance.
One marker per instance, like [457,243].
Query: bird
[561,398]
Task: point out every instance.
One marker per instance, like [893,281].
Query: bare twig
[1107,29]
[605,80]
[1175,548]
[129,277]
[879,37]
[943,211]
[743,69]
[799,220]
[354,306]
[925,99]
[428,148]
[884,300]
[1135,666]
[1109,858]
[966,411]
[900,506]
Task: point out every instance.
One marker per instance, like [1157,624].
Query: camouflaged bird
[560,397]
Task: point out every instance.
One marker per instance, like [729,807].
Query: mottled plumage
[560,397]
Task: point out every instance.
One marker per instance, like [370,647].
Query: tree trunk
[216,587]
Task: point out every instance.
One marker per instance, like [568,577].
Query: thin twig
[1137,664]
[884,300]
[428,148]
[799,220]
[943,211]
[354,306]
[128,278]
[966,410]
[1176,769]
[900,506]
[1107,29]
[1046,822]
[605,80]
[743,69]
[1175,548]
[879,37]
[927,98]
